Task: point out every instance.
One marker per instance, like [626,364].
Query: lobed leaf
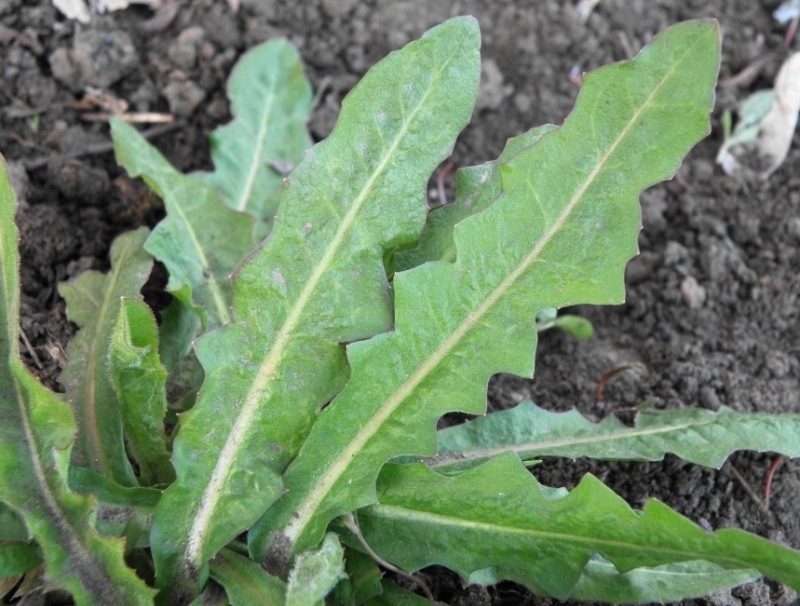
[699,436]
[140,383]
[201,241]
[497,516]
[317,281]
[270,100]
[476,188]
[36,435]
[93,303]
[560,234]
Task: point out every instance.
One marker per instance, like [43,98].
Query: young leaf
[476,188]
[695,435]
[270,100]
[139,380]
[497,516]
[317,281]
[93,302]
[200,241]
[246,582]
[315,573]
[36,435]
[560,234]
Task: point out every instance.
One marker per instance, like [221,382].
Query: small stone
[183,97]
[793,227]
[261,8]
[778,364]
[693,293]
[64,70]
[492,92]
[183,52]
[77,180]
[523,102]
[338,8]
[19,181]
[103,58]
[674,254]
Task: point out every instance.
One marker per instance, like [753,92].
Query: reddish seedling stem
[787,41]
[440,182]
[598,393]
[771,474]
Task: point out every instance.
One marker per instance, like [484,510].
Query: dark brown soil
[712,311]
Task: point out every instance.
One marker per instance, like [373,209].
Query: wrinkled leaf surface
[93,303]
[497,516]
[140,383]
[36,435]
[201,241]
[559,234]
[270,99]
[316,282]
[699,436]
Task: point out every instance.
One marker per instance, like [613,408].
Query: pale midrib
[52,504]
[211,495]
[485,453]
[10,285]
[339,466]
[59,520]
[241,204]
[417,518]
[213,285]
[96,446]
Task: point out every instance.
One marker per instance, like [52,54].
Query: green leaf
[93,303]
[315,573]
[394,595]
[119,509]
[139,380]
[270,100]
[667,583]
[699,436]
[363,574]
[559,235]
[179,325]
[87,482]
[317,281]
[577,326]
[497,516]
[246,582]
[17,558]
[201,241]
[476,188]
[36,435]
[12,528]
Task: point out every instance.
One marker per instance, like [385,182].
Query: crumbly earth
[712,310]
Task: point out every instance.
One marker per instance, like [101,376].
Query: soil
[712,310]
